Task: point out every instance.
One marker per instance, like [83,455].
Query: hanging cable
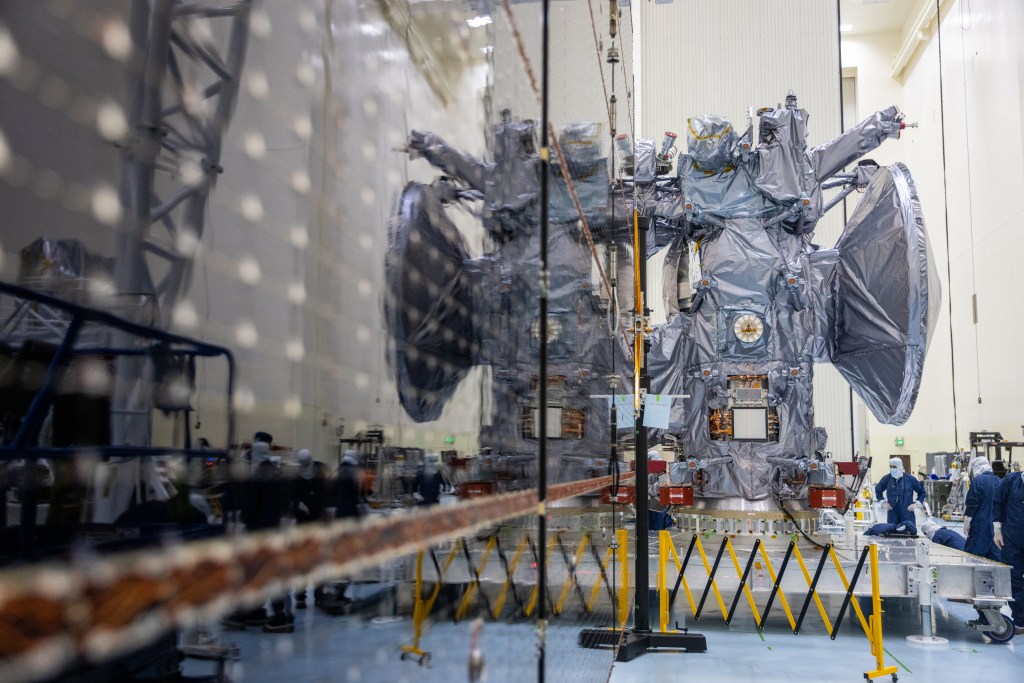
[610,100]
[600,68]
[945,205]
[970,186]
[796,525]
[842,129]
[630,112]
[563,165]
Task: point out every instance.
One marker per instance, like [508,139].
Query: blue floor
[738,653]
[358,649]
[354,649]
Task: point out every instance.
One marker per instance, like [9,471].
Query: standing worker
[348,487]
[309,505]
[309,489]
[265,501]
[347,495]
[429,481]
[1008,514]
[899,491]
[978,512]
[258,437]
[264,507]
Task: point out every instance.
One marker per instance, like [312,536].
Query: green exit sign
[449,439]
[899,442]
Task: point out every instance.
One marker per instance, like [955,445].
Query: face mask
[896,474]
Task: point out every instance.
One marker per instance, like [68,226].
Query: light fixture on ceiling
[477,22]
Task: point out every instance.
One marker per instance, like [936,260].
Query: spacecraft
[753,303]
[447,311]
[764,303]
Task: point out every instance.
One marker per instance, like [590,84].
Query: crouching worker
[943,536]
[886,529]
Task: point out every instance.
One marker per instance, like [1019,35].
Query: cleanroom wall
[973,180]
[348,84]
[289,270]
[380,76]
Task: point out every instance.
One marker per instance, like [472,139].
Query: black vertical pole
[612,261]
[542,388]
[642,623]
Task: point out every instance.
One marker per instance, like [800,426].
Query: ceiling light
[477,22]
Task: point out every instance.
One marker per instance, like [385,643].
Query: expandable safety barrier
[872,626]
[618,590]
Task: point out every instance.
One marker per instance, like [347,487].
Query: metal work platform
[580,563]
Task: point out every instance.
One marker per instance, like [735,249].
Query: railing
[872,626]
[119,602]
[618,588]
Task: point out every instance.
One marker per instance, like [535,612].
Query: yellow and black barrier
[872,629]
[618,592]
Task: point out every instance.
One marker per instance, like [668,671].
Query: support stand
[640,639]
[925,585]
[635,643]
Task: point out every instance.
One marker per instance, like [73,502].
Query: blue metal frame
[24,443]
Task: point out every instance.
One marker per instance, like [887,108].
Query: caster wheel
[424,660]
[1005,632]
[895,678]
[404,656]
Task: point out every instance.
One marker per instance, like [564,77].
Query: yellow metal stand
[817,599]
[877,649]
[596,590]
[746,588]
[667,548]
[622,537]
[532,604]
[846,585]
[872,626]
[421,608]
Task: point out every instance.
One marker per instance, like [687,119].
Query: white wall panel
[982,78]
[367,94]
[576,66]
[722,56]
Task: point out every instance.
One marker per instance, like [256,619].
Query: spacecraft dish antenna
[427,303]
[887,296]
